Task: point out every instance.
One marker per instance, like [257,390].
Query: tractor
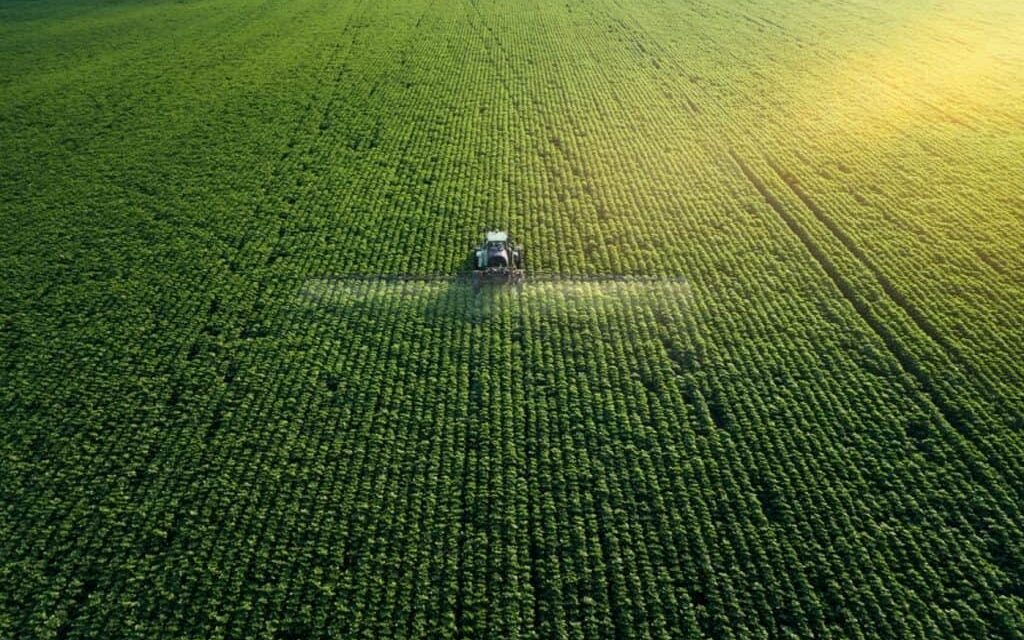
[498,260]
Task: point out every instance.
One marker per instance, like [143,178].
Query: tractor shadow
[461,300]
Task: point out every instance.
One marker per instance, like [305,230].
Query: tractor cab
[496,253]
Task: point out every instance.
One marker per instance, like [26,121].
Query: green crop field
[769,385]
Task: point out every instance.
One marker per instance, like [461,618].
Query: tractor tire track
[908,363]
[916,316]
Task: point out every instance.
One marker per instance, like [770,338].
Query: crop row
[215,430]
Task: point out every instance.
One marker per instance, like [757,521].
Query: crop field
[770,385]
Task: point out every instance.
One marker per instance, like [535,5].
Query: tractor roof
[496,236]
